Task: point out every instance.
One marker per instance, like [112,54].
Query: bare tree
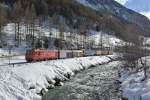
[2,19]
[30,17]
[17,13]
[133,53]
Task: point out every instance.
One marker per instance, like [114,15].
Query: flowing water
[97,83]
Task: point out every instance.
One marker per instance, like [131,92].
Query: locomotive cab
[41,55]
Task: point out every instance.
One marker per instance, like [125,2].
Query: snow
[147,14]
[86,3]
[108,40]
[122,1]
[25,81]
[132,85]
[9,29]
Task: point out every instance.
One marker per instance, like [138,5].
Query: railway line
[21,63]
[12,64]
[8,56]
[34,56]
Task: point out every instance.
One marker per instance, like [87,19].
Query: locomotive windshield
[29,51]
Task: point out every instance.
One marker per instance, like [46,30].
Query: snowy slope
[86,3]
[122,1]
[147,14]
[24,82]
[108,40]
[119,12]
[132,85]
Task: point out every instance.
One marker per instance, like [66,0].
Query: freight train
[44,54]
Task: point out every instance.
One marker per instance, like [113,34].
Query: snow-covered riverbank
[133,85]
[26,81]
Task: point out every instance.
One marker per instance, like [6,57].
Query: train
[45,54]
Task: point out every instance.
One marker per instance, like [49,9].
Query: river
[97,83]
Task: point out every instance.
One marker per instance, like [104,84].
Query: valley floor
[25,81]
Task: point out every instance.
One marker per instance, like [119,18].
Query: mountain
[108,15]
[119,11]
[147,14]
[122,1]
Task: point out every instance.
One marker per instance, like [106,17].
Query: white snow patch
[147,14]
[86,3]
[121,1]
[107,40]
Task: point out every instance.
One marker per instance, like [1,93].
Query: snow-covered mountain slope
[107,40]
[107,12]
[119,11]
[147,14]
[122,1]
[9,30]
[141,6]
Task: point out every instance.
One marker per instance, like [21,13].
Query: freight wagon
[70,53]
[103,52]
[65,54]
[89,52]
[77,53]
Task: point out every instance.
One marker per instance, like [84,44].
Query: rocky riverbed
[97,83]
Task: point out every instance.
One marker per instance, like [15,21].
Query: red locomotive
[41,54]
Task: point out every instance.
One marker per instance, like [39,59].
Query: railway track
[8,56]
[12,64]
[21,63]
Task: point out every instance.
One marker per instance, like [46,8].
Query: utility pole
[50,39]
[9,51]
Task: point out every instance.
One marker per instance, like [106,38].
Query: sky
[140,6]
